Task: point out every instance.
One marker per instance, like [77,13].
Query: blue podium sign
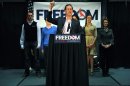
[67,38]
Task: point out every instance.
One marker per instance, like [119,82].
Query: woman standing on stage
[106,41]
[91,35]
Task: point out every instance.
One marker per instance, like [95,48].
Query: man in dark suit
[66,66]
[66,25]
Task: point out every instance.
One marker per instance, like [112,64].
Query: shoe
[44,73]
[91,73]
[26,74]
[38,73]
[105,75]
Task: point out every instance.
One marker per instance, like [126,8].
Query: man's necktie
[68,27]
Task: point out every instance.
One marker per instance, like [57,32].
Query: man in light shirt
[30,40]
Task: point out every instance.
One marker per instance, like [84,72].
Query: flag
[30,5]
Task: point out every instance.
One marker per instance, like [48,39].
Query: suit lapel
[63,21]
[72,25]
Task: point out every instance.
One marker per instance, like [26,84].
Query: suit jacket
[75,25]
[106,37]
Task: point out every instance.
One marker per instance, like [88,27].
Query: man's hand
[52,3]
[22,46]
[79,10]
[42,50]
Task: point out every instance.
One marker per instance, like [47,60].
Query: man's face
[69,11]
[30,16]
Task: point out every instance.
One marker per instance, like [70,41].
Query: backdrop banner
[87,8]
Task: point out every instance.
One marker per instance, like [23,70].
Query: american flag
[30,5]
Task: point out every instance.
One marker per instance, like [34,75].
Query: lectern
[67,61]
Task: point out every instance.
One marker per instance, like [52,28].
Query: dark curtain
[0,33]
[118,14]
[12,17]
[70,0]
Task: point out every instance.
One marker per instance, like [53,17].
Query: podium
[67,64]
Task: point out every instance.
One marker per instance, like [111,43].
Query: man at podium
[67,63]
[66,25]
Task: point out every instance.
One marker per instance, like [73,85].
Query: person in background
[106,41]
[46,31]
[30,41]
[91,36]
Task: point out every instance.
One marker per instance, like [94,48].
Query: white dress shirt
[66,27]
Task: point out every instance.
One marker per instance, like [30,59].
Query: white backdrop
[94,8]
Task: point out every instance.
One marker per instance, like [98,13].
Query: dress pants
[105,56]
[31,56]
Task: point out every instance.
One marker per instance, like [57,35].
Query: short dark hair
[105,19]
[68,5]
[30,12]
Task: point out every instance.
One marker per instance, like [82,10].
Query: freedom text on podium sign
[68,38]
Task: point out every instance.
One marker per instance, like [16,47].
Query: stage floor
[14,77]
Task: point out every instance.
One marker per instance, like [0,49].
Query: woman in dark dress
[106,41]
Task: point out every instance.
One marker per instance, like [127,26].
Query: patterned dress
[91,33]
